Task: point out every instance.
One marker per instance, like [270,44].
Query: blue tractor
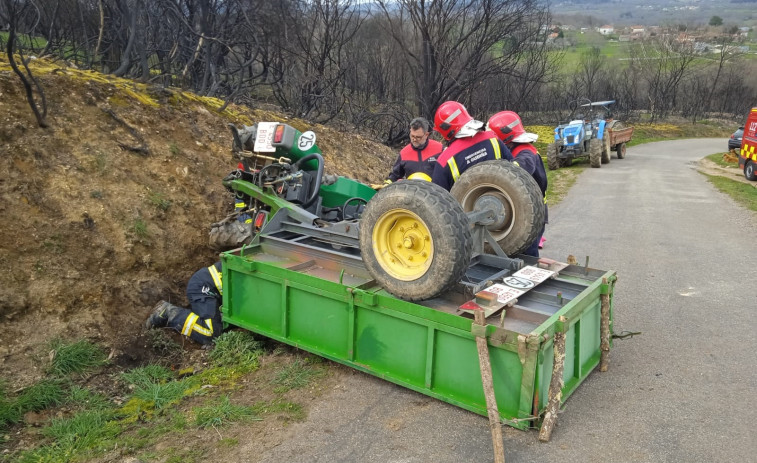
[582,136]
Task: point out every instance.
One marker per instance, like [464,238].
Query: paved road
[683,391]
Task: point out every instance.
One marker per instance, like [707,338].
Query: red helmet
[506,125]
[450,117]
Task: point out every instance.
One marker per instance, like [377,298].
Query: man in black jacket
[416,160]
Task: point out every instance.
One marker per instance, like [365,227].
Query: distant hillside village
[702,40]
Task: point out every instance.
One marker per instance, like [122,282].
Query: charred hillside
[108,210]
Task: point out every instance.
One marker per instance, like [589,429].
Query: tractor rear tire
[553,162]
[516,195]
[606,149]
[415,239]
[229,235]
[595,152]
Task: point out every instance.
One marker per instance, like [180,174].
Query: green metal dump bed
[323,300]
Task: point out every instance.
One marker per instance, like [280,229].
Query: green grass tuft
[83,398]
[159,201]
[223,413]
[75,357]
[38,397]
[297,374]
[87,431]
[238,349]
[163,394]
[146,376]
[139,228]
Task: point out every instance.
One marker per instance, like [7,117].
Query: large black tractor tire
[553,162]
[606,149]
[595,152]
[513,193]
[620,148]
[229,235]
[415,239]
[749,170]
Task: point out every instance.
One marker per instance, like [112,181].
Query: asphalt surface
[685,390]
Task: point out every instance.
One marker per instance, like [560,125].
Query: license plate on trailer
[512,287]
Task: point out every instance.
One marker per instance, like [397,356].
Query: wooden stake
[604,330]
[488,382]
[555,387]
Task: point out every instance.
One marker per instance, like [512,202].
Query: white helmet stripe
[452,116]
[512,124]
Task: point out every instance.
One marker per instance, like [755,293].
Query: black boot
[161,314]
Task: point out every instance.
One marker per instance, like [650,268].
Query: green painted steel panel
[391,345]
[257,300]
[343,189]
[456,373]
[589,334]
[318,321]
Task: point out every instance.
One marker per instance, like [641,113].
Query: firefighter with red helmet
[468,143]
[415,161]
[508,127]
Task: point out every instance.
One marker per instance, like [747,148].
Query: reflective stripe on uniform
[239,205]
[453,169]
[188,324]
[216,275]
[203,331]
[495,145]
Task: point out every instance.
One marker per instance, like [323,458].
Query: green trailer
[325,301]
[388,283]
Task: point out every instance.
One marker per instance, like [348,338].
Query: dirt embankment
[108,210]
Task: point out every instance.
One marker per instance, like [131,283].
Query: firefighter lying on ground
[416,160]
[203,322]
[509,128]
[468,144]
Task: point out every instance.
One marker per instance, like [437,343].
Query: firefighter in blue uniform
[203,322]
[509,128]
[468,144]
[416,161]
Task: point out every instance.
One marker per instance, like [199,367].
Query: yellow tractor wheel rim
[402,244]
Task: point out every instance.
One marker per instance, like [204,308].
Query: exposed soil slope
[108,210]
